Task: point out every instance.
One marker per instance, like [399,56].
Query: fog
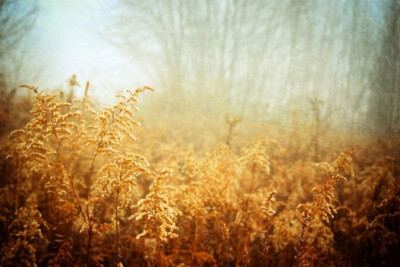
[334,61]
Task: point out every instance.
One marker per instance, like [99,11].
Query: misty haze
[200,133]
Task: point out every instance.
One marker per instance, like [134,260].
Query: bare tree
[247,53]
[384,108]
[206,46]
[16,22]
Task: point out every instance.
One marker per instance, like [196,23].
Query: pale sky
[68,39]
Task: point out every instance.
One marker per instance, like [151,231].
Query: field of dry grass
[83,186]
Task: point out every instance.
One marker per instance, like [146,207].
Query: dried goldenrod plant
[115,184]
[158,213]
[50,146]
[78,190]
[25,236]
[316,237]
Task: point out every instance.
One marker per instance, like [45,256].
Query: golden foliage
[77,190]
[158,211]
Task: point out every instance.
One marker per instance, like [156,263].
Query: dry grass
[77,189]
